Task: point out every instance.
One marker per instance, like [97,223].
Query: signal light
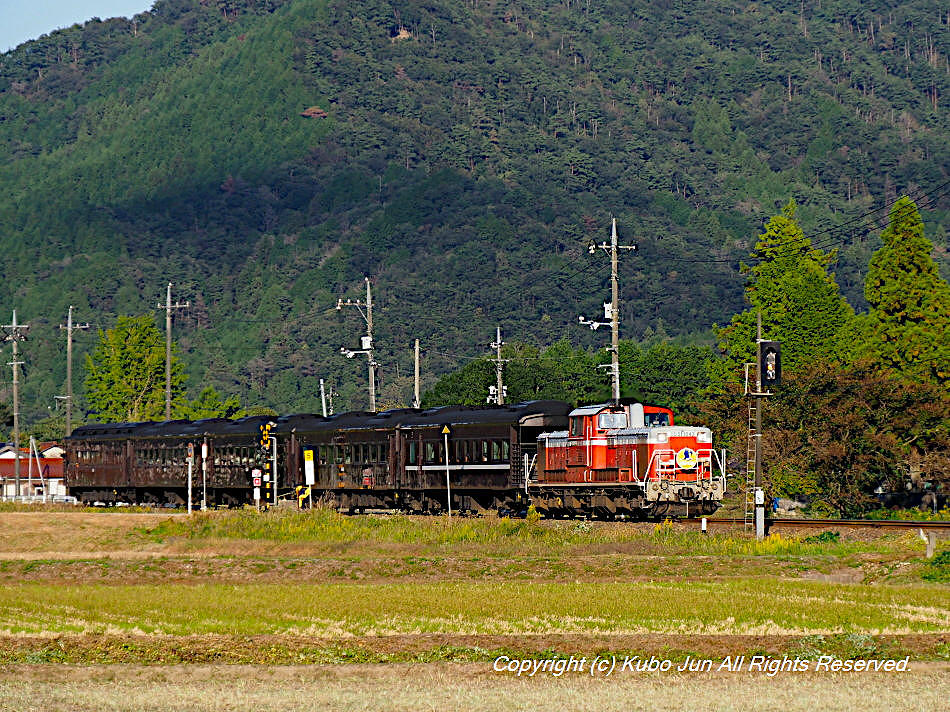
[770,363]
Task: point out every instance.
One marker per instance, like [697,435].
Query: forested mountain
[265,155]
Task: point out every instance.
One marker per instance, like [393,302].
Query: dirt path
[449,687]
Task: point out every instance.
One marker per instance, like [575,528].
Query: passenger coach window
[505,452]
[495,451]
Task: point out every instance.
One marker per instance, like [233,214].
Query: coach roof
[536,413]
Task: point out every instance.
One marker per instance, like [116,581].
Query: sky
[22,20]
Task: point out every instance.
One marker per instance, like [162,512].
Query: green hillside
[460,154]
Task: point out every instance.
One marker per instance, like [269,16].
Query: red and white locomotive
[627,460]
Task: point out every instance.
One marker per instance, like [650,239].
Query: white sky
[22,20]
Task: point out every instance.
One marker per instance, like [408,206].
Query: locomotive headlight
[661,437]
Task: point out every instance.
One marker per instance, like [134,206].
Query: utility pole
[367,341]
[611,309]
[69,367]
[16,333]
[416,401]
[498,397]
[168,306]
[323,398]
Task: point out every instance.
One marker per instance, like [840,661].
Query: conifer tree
[799,300]
[909,317]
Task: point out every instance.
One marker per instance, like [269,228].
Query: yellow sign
[686,459]
[308,455]
[445,430]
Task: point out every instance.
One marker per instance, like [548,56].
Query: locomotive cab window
[656,420]
[611,421]
[577,426]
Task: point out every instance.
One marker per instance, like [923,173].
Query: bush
[938,568]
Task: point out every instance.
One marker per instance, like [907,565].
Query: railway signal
[268,448]
[264,442]
[768,373]
[770,363]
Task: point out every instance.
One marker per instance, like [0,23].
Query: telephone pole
[168,306]
[366,347]
[498,397]
[416,401]
[611,309]
[16,333]
[69,367]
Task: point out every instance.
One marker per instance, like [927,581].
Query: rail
[792,523]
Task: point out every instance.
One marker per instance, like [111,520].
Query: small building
[39,477]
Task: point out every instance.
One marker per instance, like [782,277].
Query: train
[612,460]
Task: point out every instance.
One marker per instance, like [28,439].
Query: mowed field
[314,610]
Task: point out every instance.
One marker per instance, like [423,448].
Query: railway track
[791,523]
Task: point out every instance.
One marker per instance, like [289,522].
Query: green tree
[909,318]
[834,435]
[52,428]
[799,301]
[259,410]
[665,374]
[209,405]
[467,386]
[125,374]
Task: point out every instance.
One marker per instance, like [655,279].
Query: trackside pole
[204,476]
[191,464]
[448,484]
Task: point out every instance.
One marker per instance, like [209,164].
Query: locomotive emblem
[686,459]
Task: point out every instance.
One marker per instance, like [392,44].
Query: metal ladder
[750,467]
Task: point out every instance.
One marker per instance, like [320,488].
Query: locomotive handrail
[663,463]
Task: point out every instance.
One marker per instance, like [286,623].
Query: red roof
[51,467]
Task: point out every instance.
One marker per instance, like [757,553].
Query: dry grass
[742,606]
[75,534]
[448,687]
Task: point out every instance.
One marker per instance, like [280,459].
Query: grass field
[734,607]
[414,610]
